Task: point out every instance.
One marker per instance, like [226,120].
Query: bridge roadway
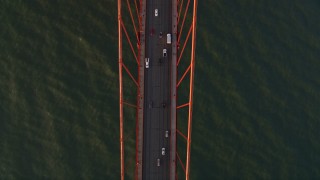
[157,91]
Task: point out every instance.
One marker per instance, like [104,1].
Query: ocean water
[256,99]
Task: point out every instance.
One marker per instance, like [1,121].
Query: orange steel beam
[181,4]
[137,131]
[184,45]
[184,18]
[125,31]
[184,169]
[135,3]
[185,73]
[137,106]
[120,92]
[183,105]
[134,24]
[173,93]
[179,132]
[193,49]
[140,92]
[129,104]
[127,70]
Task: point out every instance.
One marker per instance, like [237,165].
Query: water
[256,101]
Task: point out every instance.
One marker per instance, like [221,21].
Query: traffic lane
[152,57]
[146,124]
[165,119]
[160,96]
[150,140]
[155,46]
[155,118]
[163,75]
[146,130]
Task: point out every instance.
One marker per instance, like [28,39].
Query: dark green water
[256,100]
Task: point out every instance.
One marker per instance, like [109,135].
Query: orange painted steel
[129,104]
[127,70]
[137,106]
[193,51]
[137,126]
[184,75]
[182,135]
[173,94]
[184,169]
[183,105]
[121,29]
[137,11]
[184,18]
[132,19]
[128,38]
[190,69]
[140,91]
[184,45]
[120,93]
[180,11]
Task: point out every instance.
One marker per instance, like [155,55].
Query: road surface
[157,91]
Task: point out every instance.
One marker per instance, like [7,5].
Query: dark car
[164,105]
[152,32]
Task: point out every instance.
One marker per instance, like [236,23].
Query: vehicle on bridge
[164,105]
[168,38]
[152,31]
[158,162]
[164,52]
[147,62]
[156,12]
[163,151]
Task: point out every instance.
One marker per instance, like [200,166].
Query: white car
[164,52]
[166,134]
[156,12]
[163,151]
[168,38]
[147,62]
[158,162]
